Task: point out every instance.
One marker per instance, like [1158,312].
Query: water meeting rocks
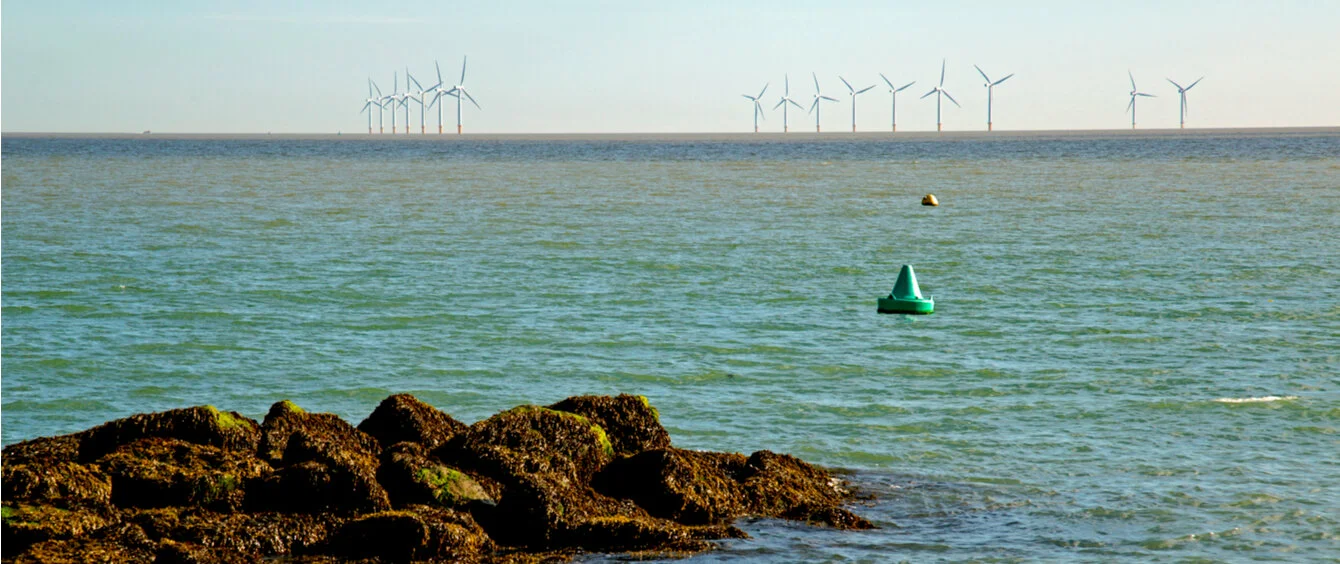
[410,483]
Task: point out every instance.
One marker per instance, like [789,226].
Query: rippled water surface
[1135,353]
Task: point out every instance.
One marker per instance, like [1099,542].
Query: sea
[1134,354]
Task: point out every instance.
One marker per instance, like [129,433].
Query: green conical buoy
[906,287]
[906,295]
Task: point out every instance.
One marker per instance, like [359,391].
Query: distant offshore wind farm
[434,95]
[397,99]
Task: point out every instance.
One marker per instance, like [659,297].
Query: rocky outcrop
[410,483]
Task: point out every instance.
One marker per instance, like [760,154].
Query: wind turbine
[937,91]
[786,99]
[459,90]
[1135,92]
[423,106]
[393,97]
[853,93]
[989,87]
[818,97]
[894,94]
[438,93]
[1182,92]
[372,101]
[758,108]
[407,96]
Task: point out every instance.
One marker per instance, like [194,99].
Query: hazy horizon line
[771,136]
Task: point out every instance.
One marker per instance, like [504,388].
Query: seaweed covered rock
[411,477]
[203,425]
[324,464]
[781,485]
[544,460]
[687,486]
[630,422]
[589,473]
[173,552]
[258,534]
[158,472]
[529,440]
[644,533]
[710,487]
[25,525]
[422,533]
[60,483]
[403,417]
[285,419]
[44,450]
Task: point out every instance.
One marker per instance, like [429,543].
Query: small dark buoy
[929,200]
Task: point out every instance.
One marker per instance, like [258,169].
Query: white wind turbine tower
[406,97]
[937,91]
[458,91]
[989,87]
[372,101]
[758,108]
[393,98]
[423,107]
[818,97]
[853,93]
[1135,92]
[786,99]
[1182,92]
[894,94]
[419,97]
[438,93]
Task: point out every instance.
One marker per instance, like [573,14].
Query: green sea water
[1135,353]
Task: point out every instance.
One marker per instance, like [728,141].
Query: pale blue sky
[597,66]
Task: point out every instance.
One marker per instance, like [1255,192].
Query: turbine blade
[795,103]
[1002,80]
[1130,105]
[979,71]
[471,98]
[906,86]
[886,81]
[814,105]
[748,96]
[828,98]
[374,85]
[816,81]
[1179,86]
[942,72]
[765,89]
[439,71]
[951,98]
[1145,95]
[928,93]
[759,108]
[1133,88]
[1193,84]
[844,81]
[463,61]
[865,89]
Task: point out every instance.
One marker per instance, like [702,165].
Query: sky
[665,67]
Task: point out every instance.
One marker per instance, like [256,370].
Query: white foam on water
[1261,399]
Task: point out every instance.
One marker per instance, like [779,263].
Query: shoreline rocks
[409,483]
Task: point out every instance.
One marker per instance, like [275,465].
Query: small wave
[1262,399]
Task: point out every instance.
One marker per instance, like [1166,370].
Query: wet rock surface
[409,484]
